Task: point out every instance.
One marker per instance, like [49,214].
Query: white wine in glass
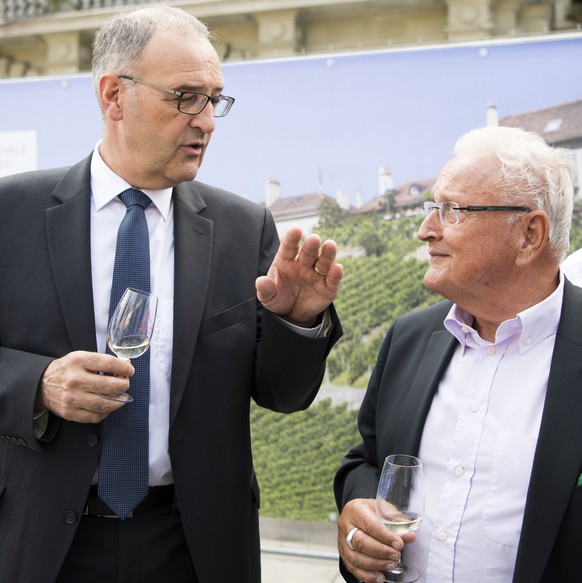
[400,505]
[131,328]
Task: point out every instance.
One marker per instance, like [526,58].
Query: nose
[431,227]
[205,120]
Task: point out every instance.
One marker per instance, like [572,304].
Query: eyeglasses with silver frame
[450,212]
[191,102]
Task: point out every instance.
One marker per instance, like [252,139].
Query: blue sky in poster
[332,119]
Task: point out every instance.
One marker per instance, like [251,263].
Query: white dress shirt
[478,446]
[107,212]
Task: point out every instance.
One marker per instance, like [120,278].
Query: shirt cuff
[320,331]
[40,423]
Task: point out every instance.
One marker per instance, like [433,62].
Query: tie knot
[132,197]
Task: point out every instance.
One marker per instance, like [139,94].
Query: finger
[84,406]
[98,409]
[365,568]
[326,257]
[310,250]
[352,537]
[266,289]
[79,389]
[121,367]
[109,386]
[334,277]
[365,576]
[373,553]
[75,363]
[112,365]
[328,250]
[289,247]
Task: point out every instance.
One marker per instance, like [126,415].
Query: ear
[111,93]
[535,237]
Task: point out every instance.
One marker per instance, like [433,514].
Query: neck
[505,305]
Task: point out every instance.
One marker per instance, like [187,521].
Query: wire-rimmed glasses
[192,102]
[450,212]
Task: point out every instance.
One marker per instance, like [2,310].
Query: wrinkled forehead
[471,173]
[187,56]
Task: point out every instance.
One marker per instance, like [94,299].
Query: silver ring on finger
[350,537]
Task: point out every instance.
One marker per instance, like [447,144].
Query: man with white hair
[486,387]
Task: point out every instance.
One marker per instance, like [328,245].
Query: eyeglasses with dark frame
[192,102]
[450,212]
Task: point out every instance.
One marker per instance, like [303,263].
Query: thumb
[266,289]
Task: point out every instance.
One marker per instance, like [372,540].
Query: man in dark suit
[237,319]
[484,388]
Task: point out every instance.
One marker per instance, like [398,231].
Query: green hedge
[296,457]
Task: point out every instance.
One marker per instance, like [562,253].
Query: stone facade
[53,37]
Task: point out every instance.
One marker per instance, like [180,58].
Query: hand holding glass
[400,505]
[131,328]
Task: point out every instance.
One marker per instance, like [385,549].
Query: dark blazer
[225,351]
[411,362]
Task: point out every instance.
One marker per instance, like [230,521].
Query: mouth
[433,254]
[195,148]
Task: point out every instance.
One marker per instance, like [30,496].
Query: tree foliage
[331,214]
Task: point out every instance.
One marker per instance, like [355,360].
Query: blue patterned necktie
[123,470]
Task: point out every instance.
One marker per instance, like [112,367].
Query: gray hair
[119,43]
[531,173]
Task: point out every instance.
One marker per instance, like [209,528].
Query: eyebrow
[197,88]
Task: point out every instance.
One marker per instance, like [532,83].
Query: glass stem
[398,569]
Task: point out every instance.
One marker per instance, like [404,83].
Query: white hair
[531,173]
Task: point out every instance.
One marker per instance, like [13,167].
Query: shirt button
[474,407]
[70,517]
[465,329]
[443,535]
[528,340]
[92,440]
[491,351]
[459,470]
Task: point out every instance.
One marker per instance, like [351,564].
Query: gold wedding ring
[320,272]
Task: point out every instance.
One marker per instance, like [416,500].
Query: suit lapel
[69,243]
[431,367]
[68,236]
[559,450]
[193,237]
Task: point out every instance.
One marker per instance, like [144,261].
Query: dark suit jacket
[226,350]
[411,362]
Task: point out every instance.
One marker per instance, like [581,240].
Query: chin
[191,171]
[432,283]
[184,176]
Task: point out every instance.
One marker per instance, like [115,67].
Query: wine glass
[400,505]
[130,328]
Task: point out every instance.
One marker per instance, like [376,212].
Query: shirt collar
[106,185]
[530,326]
